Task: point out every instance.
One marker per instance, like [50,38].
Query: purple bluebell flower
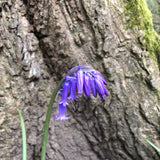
[78,80]
[66,87]
[93,86]
[62,113]
[98,75]
[87,87]
[100,88]
[73,88]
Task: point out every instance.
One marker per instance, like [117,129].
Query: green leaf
[155,147]
[23,136]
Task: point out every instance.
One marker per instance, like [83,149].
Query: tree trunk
[41,40]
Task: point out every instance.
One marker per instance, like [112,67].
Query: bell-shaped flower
[66,87]
[93,86]
[62,113]
[100,88]
[73,87]
[80,81]
[98,75]
[87,87]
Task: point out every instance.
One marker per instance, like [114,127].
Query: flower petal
[86,85]
[62,113]
[99,75]
[93,86]
[80,81]
[73,95]
[66,87]
[100,88]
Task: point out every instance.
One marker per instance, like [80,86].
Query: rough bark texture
[40,41]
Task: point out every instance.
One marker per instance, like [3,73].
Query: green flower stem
[48,116]
[23,136]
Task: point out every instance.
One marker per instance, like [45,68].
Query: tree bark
[40,41]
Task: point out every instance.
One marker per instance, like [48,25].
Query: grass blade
[155,147]
[23,136]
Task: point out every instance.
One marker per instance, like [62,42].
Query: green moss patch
[140,16]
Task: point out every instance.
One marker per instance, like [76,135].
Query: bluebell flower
[66,87]
[78,80]
[73,88]
[62,113]
[87,87]
[98,75]
[93,86]
[100,88]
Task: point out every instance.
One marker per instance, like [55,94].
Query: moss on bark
[140,16]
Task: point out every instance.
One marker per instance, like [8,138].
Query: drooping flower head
[78,80]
